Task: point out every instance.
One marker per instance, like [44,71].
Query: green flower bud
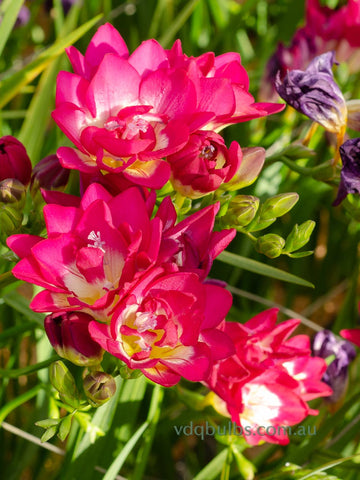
[270,245]
[12,191]
[12,200]
[242,209]
[278,205]
[63,381]
[99,387]
[299,236]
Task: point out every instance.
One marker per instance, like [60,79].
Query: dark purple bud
[69,335]
[350,172]
[314,93]
[49,174]
[325,344]
[99,387]
[14,161]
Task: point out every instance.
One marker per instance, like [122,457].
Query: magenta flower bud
[315,93]
[14,161]
[68,334]
[99,387]
[203,164]
[350,172]
[49,174]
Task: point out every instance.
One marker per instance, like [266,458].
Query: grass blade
[8,21]
[262,269]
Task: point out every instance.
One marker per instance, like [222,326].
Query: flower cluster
[269,379]
[121,270]
[151,116]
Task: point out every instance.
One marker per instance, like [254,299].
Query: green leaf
[12,85]
[48,422]
[246,468]
[21,305]
[119,461]
[213,469]
[64,428]
[49,433]
[6,279]
[262,269]
[42,101]
[8,21]
[300,254]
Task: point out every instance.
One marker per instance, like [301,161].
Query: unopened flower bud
[69,335]
[12,191]
[63,381]
[14,161]
[350,172]
[99,387]
[250,168]
[49,174]
[270,245]
[242,209]
[12,199]
[278,205]
[315,93]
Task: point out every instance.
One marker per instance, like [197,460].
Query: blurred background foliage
[27,89]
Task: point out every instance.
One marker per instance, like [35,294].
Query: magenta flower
[69,334]
[268,380]
[91,251]
[203,164]
[14,161]
[99,246]
[127,113]
[167,327]
[352,334]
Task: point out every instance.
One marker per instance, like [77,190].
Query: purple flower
[49,173]
[314,93]
[350,173]
[326,344]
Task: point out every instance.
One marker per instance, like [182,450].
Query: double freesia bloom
[119,272]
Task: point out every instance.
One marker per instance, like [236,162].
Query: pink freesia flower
[203,164]
[97,247]
[127,113]
[91,252]
[222,86]
[352,334]
[167,327]
[269,379]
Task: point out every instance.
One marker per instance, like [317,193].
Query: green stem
[17,372]
[18,330]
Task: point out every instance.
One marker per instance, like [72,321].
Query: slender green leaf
[262,269]
[180,20]
[20,304]
[8,22]
[120,459]
[12,85]
[42,102]
[213,469]
[17,401]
